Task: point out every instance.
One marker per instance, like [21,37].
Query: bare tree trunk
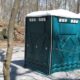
[78,2]
[7,61]
[46,4]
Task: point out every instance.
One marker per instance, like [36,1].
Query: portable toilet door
[37,43]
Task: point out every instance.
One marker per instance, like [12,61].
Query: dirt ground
[3,44]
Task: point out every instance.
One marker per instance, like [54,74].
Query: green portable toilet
[52,41]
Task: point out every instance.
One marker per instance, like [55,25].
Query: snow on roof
[78,15]
[58,12]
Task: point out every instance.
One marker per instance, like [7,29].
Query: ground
[18,72]
[3,43]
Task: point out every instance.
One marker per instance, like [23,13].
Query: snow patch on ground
[18,72]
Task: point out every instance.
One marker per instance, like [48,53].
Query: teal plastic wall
[66,45]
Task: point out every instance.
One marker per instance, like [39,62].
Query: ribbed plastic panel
[66,45]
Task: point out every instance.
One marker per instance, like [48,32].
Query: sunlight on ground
[18,72]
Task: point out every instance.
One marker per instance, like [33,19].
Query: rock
[19,34]
[4,33]
[1,36]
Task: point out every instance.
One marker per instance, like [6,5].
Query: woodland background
[27,6]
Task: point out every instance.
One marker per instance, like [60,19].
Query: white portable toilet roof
[58,12]
[78,15]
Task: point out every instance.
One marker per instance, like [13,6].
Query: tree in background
[27,6]
[78,5]
[7,61]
